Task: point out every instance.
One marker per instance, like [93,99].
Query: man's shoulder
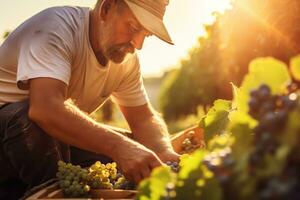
[58,23]
[71,10]
[71,15]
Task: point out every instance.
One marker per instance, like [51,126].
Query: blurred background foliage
[250,29]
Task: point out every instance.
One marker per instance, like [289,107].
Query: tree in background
[252,28]
[190,85]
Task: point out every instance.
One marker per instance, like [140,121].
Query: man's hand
[135,160]
[168,155]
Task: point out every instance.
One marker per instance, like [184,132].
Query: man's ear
[105,7]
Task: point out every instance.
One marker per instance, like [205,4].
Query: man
[59,66]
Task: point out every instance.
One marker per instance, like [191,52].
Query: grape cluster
[122,183]
[99,175]
[190,144]
[268,108]
[107,177]
[72,180]
[272,112]
[174,166]
[220,163]
[77,182]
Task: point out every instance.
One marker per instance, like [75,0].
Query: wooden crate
[178,138]
[53,192]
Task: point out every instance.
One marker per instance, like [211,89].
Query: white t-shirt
[55,43]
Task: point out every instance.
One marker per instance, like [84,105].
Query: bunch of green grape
[72,180]
[107,176]
[101,174]
[77,182]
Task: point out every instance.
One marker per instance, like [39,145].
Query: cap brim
[150,22]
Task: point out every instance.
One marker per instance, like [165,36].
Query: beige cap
[150,14]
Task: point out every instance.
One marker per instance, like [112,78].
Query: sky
[184,20]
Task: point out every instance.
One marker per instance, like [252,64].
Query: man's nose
[138,40]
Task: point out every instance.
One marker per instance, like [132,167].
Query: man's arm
[149,129]
[64,121]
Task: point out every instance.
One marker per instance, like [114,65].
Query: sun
[218,5]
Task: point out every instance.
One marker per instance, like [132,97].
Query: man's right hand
[135,160]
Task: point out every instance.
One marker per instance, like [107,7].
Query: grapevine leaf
[188,178]
[191,163]
[216,120]
[154,188]
[243,139]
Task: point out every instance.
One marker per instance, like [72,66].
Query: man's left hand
[168,155]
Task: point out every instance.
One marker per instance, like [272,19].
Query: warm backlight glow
[219,5]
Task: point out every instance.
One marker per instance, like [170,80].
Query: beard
[117,53]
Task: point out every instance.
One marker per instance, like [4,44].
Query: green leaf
[144,190]
[220,142]
[192,176]
[154,188]
[243,139]
[216,120]
[191,163]
[195,181]
[295,67]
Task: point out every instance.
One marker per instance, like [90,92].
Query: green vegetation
[253,144]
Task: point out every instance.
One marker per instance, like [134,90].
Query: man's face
[121,33]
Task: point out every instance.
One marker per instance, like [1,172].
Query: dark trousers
[28,155]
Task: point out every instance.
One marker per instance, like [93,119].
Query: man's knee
[31,151]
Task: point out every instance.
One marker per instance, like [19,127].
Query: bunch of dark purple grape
[272,113]
[221,164]
[174,166]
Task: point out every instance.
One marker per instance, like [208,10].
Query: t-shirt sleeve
[44,54]
[131,91]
